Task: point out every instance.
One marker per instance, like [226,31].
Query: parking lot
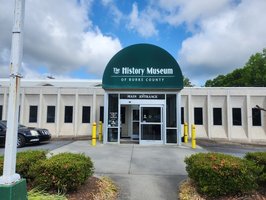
[49,146]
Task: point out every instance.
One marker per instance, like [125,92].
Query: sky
[75,39]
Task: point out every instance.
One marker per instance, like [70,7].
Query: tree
[187,82]
[253,74]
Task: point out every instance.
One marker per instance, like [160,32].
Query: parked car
[26,134]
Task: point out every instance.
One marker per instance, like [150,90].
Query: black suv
[25,134]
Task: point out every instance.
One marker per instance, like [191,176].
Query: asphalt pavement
[49,146]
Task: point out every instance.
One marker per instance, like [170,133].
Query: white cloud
[143,22]
[59,36]
[226,41]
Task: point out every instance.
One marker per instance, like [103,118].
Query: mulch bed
[87,191]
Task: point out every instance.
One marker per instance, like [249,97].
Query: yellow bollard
[185,132]
[193,136]
[100,131]
[93,135]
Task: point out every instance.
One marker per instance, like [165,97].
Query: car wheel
[21,141]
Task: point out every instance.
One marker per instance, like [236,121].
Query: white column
[40,109]
[94,106]
[178,106]
[229,115]
[190,110]
[21,120]
[9,175]
[105,118]
[76,114]
[209,114]
[248,117]
[58,122]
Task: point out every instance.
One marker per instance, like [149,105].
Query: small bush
[25,160]
[63,172]
[259,158]
[41,195]
[218,174]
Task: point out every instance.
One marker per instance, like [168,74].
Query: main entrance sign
[143,66]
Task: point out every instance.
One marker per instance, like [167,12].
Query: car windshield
[19,126]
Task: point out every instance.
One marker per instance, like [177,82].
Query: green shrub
[218,174]
[63,172]
[35,194]
[259,158]
[25,160]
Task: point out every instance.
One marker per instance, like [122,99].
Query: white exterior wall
[85,93]
[216,130]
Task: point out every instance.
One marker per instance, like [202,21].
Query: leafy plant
[63,172]
[218,174]
[259,158]
[25,160]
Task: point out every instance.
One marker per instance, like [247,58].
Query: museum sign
[143,66]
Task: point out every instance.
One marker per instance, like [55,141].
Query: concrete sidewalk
[142,172]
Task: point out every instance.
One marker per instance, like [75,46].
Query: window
[217,116]
[102,114]
[86,114]
[1,112]
[50,114]
[237,119]
[123,114]
[198,116]
[33,114]
[256,117]
[171,110]
[68,114]
[182,115]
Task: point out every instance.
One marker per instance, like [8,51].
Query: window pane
[33,114]
[102,114]
[50,114]
[151,114]
[217,116]
[171,136]
[123,115]
[198,116]
[68,114]
[112,134]
[182,115]
[1,112]
[113,110]
[237,119]
[171,110]
[86,114]
[256,117]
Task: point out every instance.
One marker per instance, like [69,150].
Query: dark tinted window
[217,116]
[171,110]
[123,114]
[182,115]
[237,119]
[256,117]
[1,112]
[198,116]
[102,114]
[68,114]
[33,114]
[86,114]
[50,114]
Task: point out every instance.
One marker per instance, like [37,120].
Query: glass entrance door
[135,123]
[151,123]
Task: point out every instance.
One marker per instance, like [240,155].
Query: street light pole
[9,176]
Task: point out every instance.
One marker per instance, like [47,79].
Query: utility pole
[11,185]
